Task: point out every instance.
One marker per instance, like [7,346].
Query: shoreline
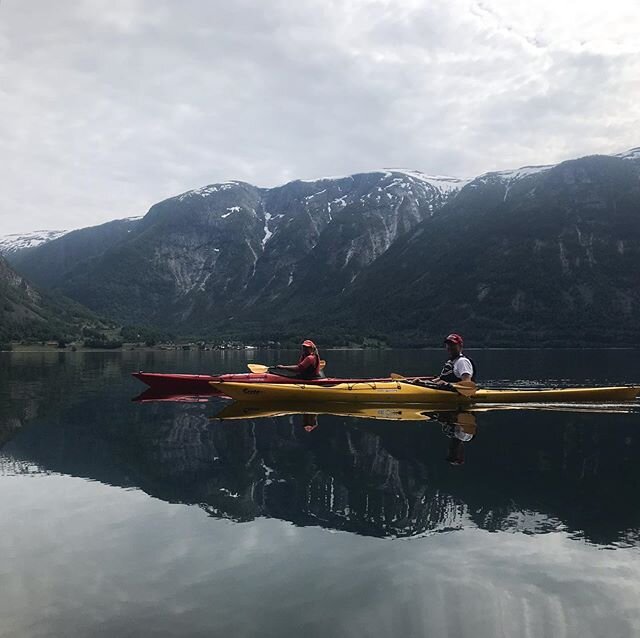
[179,349]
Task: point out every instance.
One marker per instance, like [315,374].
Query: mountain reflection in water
[506,543]
[530,471]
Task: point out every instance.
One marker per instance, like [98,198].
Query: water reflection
[529,471]
[385,471]
[459,426]
[83,558]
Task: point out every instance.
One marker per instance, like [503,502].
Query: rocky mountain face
[222,251]
[47,261]
[546,254]
[18,297]
[26,313]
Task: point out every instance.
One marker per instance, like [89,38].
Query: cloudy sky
[108,106]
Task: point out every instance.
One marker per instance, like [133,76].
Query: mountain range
[544,255]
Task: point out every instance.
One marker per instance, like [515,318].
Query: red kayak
[191,384]
[198,384]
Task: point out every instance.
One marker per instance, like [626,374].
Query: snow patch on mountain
[267,232]
[205,191]
[631,154]
[309,197]
[231,209]
[333,178]
[338,202]
[21,241]
[509,177]
[443,183]
[516,173]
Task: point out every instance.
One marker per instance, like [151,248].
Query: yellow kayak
[403,392]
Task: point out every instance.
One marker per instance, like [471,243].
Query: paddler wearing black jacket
[458,368]
[308,366]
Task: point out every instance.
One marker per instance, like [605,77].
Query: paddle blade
[257,368]
[398,377]
[464,388]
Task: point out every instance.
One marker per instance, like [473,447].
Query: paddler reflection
[460,428]
[309,422]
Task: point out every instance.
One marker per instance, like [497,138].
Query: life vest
[312,372]
[449,375]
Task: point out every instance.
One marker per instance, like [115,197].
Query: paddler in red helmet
[458,368]
[308,366]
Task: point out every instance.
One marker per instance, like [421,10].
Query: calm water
[128,519]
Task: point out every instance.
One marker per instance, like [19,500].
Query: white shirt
[460,434]
[462,366]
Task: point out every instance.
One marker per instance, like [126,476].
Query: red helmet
[454,338]
[308,343]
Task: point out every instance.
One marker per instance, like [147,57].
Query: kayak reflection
[459,426]
[390,412]
[153,395]
[248,410]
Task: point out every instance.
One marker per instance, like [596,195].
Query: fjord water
[128,519]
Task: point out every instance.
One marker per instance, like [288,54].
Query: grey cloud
[108,107]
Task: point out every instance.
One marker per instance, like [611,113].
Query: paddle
[466,388]
[257,368]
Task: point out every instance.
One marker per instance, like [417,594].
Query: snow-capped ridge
[517,173]
[445,183]
[209,189]
[21,241]
[511,175]
[332,178]
[631,154]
